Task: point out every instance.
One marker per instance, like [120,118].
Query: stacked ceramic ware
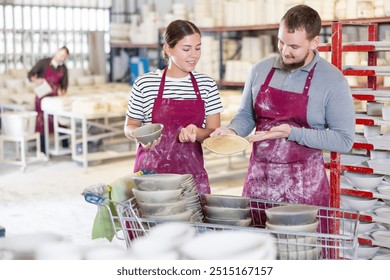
[169,197]
[296,219]
[227,210]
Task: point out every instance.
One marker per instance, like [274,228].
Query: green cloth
[120,192]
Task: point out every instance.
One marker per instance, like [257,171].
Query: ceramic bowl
[167,208]
[292,214]
[234,222]
[383,212]
[148,133]
[157,196]
[228,201]
[157,182]
[348,225]
[384,190]
[382,257]
[182,216]
[358,203]
[382,236]
[296,228]
[226,213]
[364,181]
[366,252]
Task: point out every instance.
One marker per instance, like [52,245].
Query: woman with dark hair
[53,71]
[187,103]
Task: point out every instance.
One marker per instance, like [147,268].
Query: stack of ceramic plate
[171,197]
[227,210]
[296,219]
[189,192]
[159,196]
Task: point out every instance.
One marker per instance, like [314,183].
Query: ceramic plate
[226,144]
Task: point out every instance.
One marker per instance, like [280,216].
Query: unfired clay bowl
[148,133]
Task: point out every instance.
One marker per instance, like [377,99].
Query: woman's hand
[151,145]
[222,131]
[277,132]
[188,134]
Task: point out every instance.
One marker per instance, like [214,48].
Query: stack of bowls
[227,210]
[171,197]
[159,197]
[385,190]
[296,219]
[190,193]
[364,181]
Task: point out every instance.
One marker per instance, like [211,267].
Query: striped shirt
[145,90]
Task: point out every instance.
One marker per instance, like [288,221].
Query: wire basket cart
[335,238]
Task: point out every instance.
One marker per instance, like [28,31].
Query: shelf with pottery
[358,164]
[79,125]
[368,94]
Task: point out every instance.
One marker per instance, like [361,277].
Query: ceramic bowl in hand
[226,213]
[157,196]
[364,181]
[148,133]
[292,214]
[157,182]
[229,201]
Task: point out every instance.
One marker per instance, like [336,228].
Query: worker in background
[187,103]
[54,71]
[299,105]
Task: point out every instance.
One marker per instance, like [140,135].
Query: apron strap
[269,77]
[162,84]
[195,85]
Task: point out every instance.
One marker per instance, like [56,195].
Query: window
[31,32]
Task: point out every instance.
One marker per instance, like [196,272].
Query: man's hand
[222,131]
[277,132]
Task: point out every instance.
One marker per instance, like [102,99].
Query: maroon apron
[53,78]
[172,156]
[282,170]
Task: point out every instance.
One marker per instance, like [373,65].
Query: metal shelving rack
[337,49]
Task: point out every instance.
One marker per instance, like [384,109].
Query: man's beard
[293,66]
